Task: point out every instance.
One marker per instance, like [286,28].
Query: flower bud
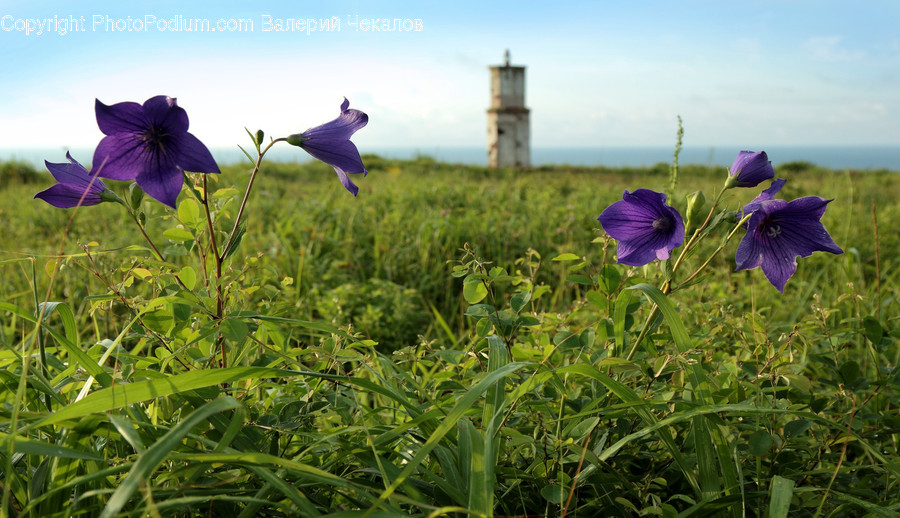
[749,170]
[135,195]
[695,202]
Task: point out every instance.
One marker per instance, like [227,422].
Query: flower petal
[193,155]
[341,155]
[75,174]
[345,180]
[341,128]
[120,117]
[766,195]
[164,113]
[120,156]
[66,196]
[161,178]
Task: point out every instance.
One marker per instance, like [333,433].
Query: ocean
[843,157]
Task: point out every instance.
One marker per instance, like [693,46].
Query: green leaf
[566,257]
[760,442]
[161,320]
[849,372]
[781,490]
[873,329]
[520,300]
[235,242]
[135,196]
[27,446]
[448,422]
[597,299]
[609,279]
[554,494]
[795,428]
[580,279]
[156,454]
[188,276]
[189,212]
[178,234]
[121,395]
[226,192]
[474,289]
[582,428]
[234,329]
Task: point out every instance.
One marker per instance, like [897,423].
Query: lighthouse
[508,131]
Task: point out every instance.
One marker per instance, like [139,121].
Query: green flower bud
[695,202]
[136,195]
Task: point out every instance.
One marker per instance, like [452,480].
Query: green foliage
[16,172]
[508,378]
[384,312]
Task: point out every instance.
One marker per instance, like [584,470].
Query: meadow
[454,341]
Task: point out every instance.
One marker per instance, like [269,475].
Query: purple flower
[149,144]
[331,144]
[645,227]
[76,186]
[779,232]
[750,169]
[766,195]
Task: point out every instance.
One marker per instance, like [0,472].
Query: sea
[831,157]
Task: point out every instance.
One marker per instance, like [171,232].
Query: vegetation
[452,342]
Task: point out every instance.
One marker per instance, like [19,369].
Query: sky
[750,74]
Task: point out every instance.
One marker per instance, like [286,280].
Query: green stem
[714,254]
[240,214]
[220,256]
[146,237]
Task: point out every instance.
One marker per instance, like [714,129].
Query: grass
[450,343]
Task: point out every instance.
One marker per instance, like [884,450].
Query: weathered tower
[508,123]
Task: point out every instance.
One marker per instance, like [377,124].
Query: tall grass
[449,343]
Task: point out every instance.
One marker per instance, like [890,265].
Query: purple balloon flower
[750,169]
[779,232]
[149,144]
[766,195]
[76,186]
[331,144]
[644,225]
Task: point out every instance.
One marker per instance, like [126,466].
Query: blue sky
[749,74]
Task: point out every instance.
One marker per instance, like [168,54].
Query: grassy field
[452,342]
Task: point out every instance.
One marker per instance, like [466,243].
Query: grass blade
[147,462]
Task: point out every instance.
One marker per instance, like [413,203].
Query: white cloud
[831,49]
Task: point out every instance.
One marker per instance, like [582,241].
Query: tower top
[506,58]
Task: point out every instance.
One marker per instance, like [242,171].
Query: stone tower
[508,131]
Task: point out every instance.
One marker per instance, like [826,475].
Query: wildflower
[779,232]
[766,195]
[645,227]
[150,144]
[331,144]
[750,169]
[76,186]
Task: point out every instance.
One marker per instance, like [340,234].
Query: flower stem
[209,221]
[240,214]
[220,295]
[703,266]
[137,222]
[220,256]
[692,241]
